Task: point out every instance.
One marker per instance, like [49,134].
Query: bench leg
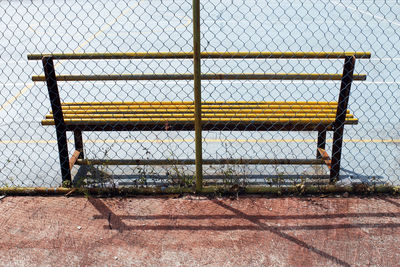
[63,154]
[347,79]
[61,130]
[336,153]
[79,143]
[321,142]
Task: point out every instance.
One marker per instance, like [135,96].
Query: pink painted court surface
[197,231]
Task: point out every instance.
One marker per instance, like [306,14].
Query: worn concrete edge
[359,189]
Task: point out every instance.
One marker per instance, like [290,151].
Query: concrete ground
[197,231]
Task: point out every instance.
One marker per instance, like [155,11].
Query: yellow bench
[180,116]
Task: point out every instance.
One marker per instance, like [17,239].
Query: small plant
[80,182]
[280,179]
[300,187]
[229,176]
[268,181]
[374,181]
[142,179]
[66,183]
[144,171]
[177,177]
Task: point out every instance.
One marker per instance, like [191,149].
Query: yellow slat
[144,103]
[304,107]
[189,120]
[204,116]
[225,111]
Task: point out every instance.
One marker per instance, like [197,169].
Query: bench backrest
[346,77]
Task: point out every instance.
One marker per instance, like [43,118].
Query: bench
[181,116]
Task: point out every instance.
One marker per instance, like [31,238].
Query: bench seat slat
[228,107]
[161,113]
[191,121]
[205,106]
[261,105]
[145,103]
[257,108]
[204,111]
[204,116]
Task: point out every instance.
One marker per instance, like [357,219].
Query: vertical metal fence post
[61,129]
[197,95]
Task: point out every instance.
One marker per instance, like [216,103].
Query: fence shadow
[255,223]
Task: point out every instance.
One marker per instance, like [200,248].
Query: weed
[142,176]
[66,183]
[279,180]
[178,177]
[143,171]
[231,176]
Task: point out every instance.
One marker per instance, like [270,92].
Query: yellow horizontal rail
[271,108]
[204,55]
[224,116]
[188,110]
[211,108]
[190,120]
[214,76]
[204,103]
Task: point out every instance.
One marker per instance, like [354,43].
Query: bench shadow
[116,222]
[397,204]
[360,178]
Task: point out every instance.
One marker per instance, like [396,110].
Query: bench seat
[180,115]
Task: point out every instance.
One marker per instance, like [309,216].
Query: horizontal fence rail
[214,76]
[209,55]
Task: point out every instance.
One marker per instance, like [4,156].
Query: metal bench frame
[322,156]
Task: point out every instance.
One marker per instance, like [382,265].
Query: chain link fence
[248,120]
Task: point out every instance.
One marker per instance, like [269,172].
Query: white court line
[368,13]
[330,21]
[76,50]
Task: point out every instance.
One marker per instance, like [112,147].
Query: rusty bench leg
[321,142]
[79,143]
[63,154]
[336,154]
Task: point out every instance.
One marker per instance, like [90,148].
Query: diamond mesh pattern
[29,155]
